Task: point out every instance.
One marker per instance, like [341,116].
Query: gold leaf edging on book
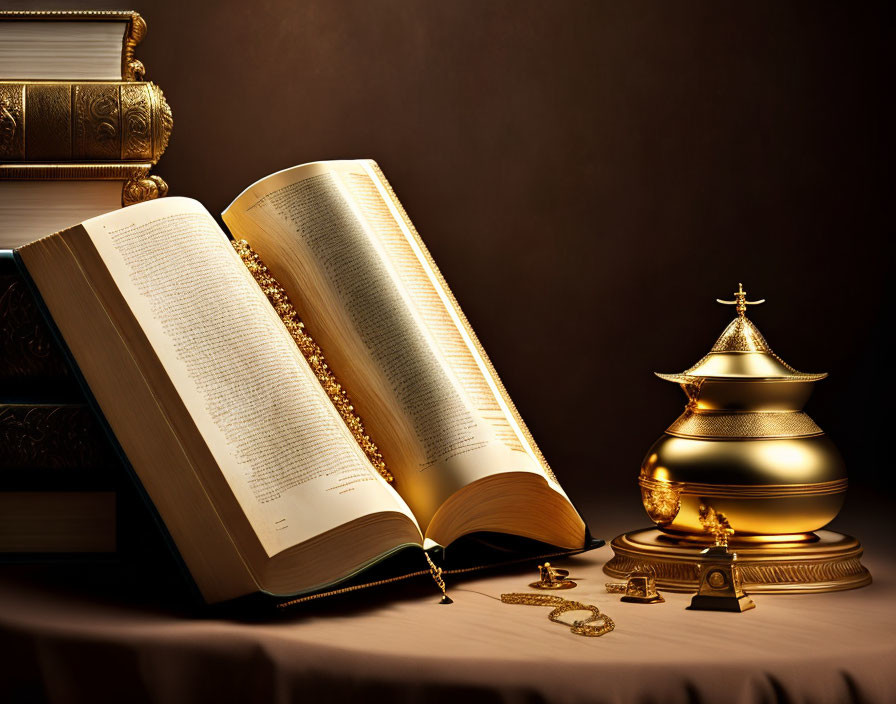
[312,353]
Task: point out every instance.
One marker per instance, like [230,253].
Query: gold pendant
[639,589]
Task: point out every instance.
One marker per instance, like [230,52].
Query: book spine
[51,436]
[53,522]
[27,350]
[70,122]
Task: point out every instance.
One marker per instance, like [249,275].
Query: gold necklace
[584,627]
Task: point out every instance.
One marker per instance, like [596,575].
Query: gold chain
[418,573]
[584,627]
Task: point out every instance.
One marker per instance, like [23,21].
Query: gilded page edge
[517,418]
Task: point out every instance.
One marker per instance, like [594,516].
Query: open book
[273,470]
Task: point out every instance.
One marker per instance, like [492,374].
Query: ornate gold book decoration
[26,344]
[51,436]
[744,446]
[85,130]
[82,122]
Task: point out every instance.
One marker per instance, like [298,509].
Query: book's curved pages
[259,480]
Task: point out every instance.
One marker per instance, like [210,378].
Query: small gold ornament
[639,589]
[720,582]
[552,578]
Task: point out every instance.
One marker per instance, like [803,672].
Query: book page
[327,233]
[288,457]
[75,50]
[439,311]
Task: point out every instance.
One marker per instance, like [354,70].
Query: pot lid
[741,352]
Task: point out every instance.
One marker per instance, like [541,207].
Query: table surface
[77,643]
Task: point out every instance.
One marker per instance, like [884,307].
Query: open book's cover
[472,553]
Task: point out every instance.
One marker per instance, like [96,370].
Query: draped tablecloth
[68,641]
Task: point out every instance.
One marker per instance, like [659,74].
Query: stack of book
[79,133]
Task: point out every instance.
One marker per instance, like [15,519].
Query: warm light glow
[790,457]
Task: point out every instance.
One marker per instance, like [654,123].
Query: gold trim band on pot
[742,491]
[733,425]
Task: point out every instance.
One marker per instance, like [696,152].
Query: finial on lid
[740,300]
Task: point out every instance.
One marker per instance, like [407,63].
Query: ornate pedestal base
[830,563]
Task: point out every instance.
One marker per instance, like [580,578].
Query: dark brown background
[590,176]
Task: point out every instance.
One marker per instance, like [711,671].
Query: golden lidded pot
[744,451]
[743,446]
